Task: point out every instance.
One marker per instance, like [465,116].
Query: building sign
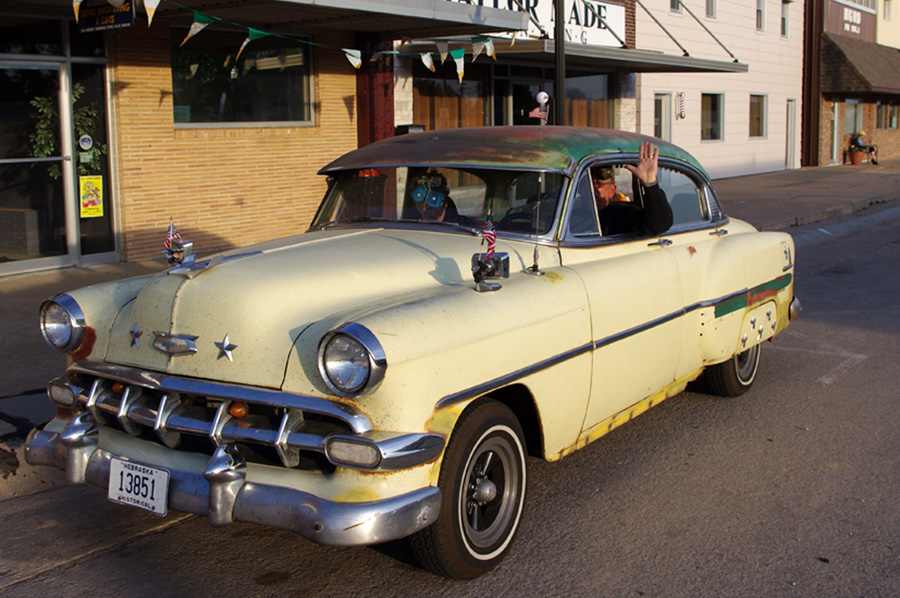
[583,25]
[850,18]
[100,15]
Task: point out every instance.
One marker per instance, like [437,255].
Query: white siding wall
[775,71]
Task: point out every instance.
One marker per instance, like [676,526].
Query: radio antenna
[542,98]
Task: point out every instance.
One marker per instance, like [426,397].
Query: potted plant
[856,155]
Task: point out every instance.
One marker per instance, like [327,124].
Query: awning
[385,19]
[603,58]
[619,59]
[853,66]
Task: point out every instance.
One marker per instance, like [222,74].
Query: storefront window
[268,83]
[887,115]
[852,116]
[587,101]
[440,101]
[23,35]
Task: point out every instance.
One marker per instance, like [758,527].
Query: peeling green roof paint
[558,149]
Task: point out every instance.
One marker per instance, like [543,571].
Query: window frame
[719,125]
[785,19]
[308,88]
[763,117]
[712,9]
[761,16]
[708,202]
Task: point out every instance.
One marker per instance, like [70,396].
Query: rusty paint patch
[605,427]
[553,277]
[87,345]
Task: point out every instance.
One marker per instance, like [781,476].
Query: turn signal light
[238,409]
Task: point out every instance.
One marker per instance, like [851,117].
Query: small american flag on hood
[171,234]
[490,236]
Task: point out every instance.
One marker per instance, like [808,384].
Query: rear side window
[687,200]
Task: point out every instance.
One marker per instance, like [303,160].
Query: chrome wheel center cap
[485,491]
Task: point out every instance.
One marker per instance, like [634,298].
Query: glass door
[91,157]
[33,168]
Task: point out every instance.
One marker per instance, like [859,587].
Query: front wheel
[482,486]
[734,377]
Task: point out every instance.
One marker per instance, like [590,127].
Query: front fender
[454,344]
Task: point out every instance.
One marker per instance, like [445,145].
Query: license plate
[138,485]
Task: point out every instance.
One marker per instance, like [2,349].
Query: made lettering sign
[100,15]
[587,22]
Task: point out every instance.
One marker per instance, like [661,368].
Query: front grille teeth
[171,416]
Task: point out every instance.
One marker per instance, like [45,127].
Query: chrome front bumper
[223,495]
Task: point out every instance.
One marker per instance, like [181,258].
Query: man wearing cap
[617,214]
[858,141]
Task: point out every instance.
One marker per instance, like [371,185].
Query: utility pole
[560,45]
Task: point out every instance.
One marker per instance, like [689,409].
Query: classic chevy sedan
[463,300]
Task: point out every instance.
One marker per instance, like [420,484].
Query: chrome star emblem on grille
[225,349]
[136,337]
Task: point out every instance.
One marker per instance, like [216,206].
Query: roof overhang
[619,59]
[601,58]
[858,67]
[383,19]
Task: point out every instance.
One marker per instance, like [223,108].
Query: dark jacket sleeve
[656,217]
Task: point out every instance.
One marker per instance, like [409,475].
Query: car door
[707,270]
[635,295]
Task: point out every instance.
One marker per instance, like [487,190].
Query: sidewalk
[774,201]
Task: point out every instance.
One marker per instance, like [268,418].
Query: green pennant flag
[200,22]
[459,55]
[253,34]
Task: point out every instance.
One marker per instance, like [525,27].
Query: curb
[18,478]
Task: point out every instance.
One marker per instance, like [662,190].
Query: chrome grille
[177,412]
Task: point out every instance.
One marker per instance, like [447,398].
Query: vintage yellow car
[461,302]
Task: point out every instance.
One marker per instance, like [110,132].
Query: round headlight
[351,360]
[62,323]
[346,363]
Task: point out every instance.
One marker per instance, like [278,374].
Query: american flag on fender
[539,112]
[171,234]
[490,235]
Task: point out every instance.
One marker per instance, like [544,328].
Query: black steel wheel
[482,485]
[734,377]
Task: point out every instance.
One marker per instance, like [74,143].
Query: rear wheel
[735,376]
[482,486]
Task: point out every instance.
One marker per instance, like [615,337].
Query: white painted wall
[775,70]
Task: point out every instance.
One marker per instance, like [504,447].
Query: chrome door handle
[660,243]
[718,232]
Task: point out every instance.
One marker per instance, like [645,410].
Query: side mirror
[180,252]
[489,268]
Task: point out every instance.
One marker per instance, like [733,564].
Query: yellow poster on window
[91,192]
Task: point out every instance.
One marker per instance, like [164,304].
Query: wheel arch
[521,402]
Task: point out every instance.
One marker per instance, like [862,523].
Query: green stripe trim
[755,295]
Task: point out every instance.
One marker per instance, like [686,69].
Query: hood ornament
[175,344]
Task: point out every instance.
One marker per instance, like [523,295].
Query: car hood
[243,310]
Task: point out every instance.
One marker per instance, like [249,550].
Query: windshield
[515,201]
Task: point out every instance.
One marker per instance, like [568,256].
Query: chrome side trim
[354,418]
[511,377]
